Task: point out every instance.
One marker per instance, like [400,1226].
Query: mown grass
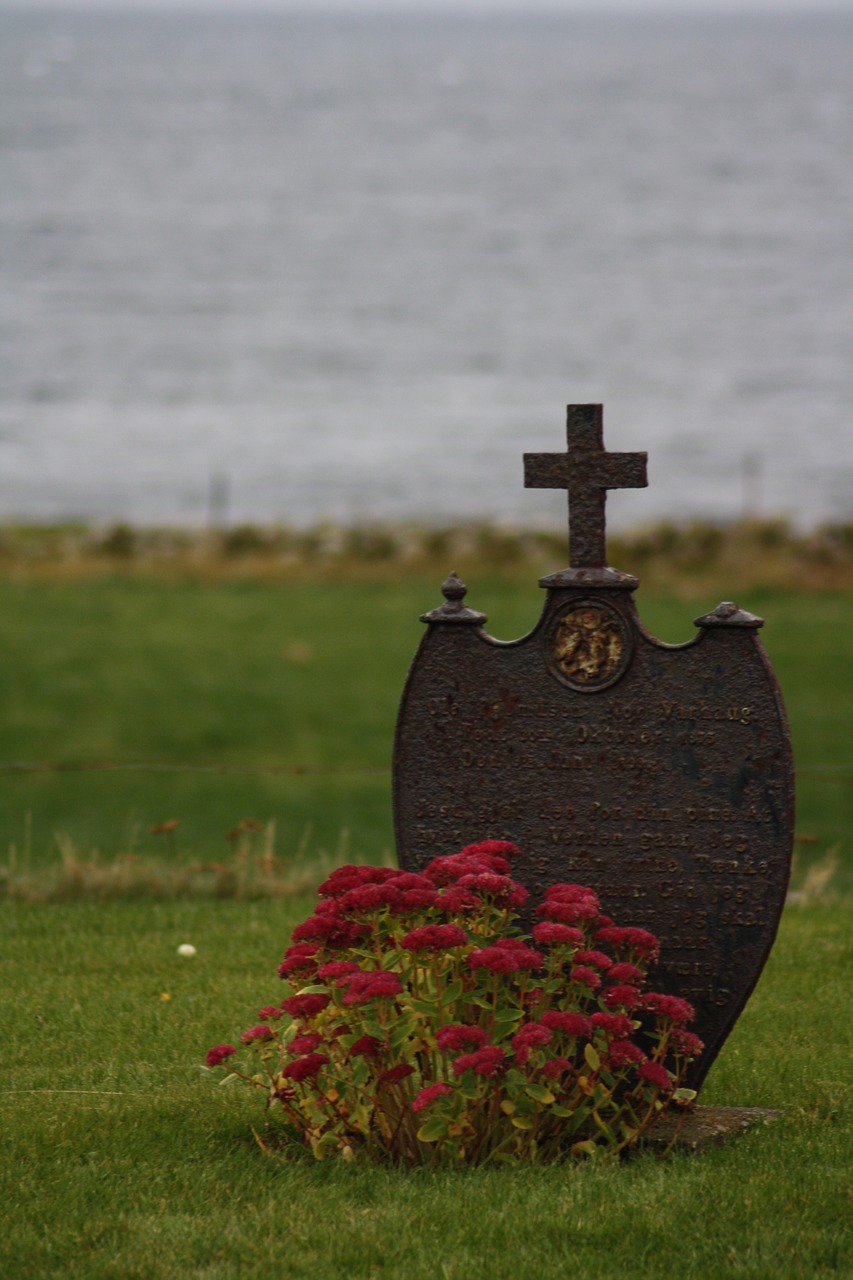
[282,698]
[123,1156]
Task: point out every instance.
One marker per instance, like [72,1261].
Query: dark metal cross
[587,471]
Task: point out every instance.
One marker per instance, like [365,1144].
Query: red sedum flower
[585,977]
[673,1007]
[624,1052]
[305,1066]
[637,941]
[622,996]
[548,933]
[615,1024]
[569,1022]
[556,1067]
[315,929]
[393,1074]
[454,901]
[656,1075]
[500,888]
[369,898]
[570,893]
[429,1095]
[491,849]
[405,881]
[305,1006]
[368,1046]
[625,973]
[489,1061]
[434,937]
[567,912]
[473,860]
[261,1032]
[458,1036]
[412,901]
[598,960]
[219,1053]
[337,969]
[506,959]
[370,985]
[686,1043]
[349,877]
[304,1044]
[531,1035]
[299,961]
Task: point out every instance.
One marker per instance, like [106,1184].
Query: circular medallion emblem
[589,646]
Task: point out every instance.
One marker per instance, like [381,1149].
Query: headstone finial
[587,471]
[454,608]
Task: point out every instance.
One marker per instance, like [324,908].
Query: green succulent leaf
[522,1122]
[360,1072]
[401,1031]
[452,993]
[508,1017]
[433,1129]
[539,1093]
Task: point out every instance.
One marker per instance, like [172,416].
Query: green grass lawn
[124,1157]
[249,676]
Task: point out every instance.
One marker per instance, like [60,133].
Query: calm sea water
[351,269]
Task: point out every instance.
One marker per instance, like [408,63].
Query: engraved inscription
[702,711]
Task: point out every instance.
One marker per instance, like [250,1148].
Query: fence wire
[842,773]
[111,766]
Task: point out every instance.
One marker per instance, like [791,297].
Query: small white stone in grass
[186,949]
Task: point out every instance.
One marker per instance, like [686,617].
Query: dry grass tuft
[251,871]
[816,888]
[692,556]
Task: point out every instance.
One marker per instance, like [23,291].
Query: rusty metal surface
[586,471]
[661,775]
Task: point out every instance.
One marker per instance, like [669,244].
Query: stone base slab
[704,1127]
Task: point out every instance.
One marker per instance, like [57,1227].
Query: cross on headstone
[587,471]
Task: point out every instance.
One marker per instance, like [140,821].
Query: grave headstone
[659,774]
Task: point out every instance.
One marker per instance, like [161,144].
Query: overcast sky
[480,6]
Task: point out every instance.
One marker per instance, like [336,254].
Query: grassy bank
[669,557]
[247,720]
[214,703]
[124,1157]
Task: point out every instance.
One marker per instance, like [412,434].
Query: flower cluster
[423,1026]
